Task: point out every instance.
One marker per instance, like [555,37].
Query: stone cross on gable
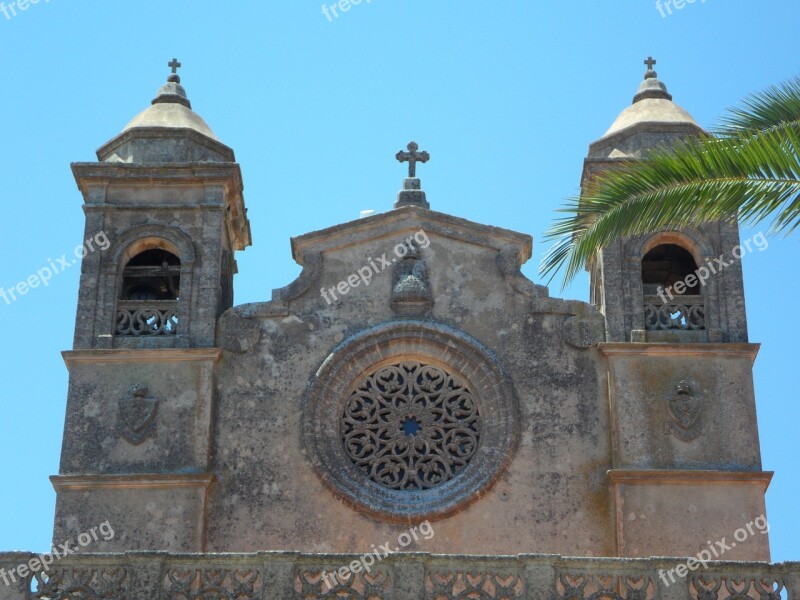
[412,157]
[174,65]
[650,62]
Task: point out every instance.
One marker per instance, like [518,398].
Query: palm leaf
[751,173]
[774,106]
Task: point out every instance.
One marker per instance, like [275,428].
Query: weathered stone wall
[245,452]
[552,497]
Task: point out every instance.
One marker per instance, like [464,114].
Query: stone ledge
[698,476]
[147,481]
[134,355]
[667,349]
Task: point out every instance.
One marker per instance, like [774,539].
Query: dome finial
[174,65]
[650,63]
[651,87]
[172,92]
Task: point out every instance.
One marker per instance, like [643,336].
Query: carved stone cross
[650,62]
[174,65]
[412,157]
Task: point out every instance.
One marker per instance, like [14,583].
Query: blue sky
[506,96]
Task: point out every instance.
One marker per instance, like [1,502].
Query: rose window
[410,420]
[411,426]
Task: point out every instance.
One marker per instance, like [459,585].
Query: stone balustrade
[145,318]
[682,312]
[402,576]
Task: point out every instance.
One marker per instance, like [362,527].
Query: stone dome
[168,131]
[168,110]
[652,119]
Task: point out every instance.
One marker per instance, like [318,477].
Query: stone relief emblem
[411,290]
[411,426]
[136,420]
[684,409]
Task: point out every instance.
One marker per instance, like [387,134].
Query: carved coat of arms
[684,409]
[136,420]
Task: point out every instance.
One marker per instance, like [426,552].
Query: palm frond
[749,174]
[764,110]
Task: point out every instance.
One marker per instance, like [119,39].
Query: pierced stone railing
[411,576]
[152,317]
[686,313]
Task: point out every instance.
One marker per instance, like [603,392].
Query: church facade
[411,417]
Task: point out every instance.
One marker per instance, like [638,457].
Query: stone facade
[410,375]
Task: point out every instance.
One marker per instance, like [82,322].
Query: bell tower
[667,286]
[167,196]
[678,365]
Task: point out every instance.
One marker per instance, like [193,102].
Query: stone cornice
[645,127]
[407,219]
[151,207]
[100,173]
[664,349]
[155,355]
[159,133]
[685,476]
[133,481]
[94,179]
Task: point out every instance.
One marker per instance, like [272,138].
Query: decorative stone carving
[147,318]
[687,315]
[704,587]
[83,583]
[411,290]
[136,420]
[411,426]
[483,584]
[585,586]
[684,409]
[323,584]
[464,429]
[212,584]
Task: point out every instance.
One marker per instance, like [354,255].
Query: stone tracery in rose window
[411,426]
